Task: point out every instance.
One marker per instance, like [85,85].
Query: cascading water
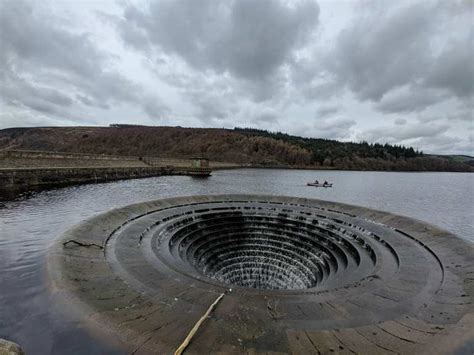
[304,274]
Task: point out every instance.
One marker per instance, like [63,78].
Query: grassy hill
[242,146]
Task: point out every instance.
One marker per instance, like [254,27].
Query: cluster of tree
[241,145]
[323,149]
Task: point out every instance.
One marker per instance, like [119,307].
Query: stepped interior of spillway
[298,275]
[247,246]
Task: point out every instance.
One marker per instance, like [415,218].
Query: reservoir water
[30,224]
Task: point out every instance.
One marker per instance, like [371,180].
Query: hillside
[241,146]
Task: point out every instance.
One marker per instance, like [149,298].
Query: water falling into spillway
[250,246]
[299,269]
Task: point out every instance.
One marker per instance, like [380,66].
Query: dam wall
[41,159]
[38,154]
[23,170]
[19,159]
[27,178]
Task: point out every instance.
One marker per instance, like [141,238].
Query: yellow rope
[193,331]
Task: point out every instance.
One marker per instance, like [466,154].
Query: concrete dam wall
[26,170]
[38,177]
[43,159]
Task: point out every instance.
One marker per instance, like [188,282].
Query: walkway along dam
[298,276]
[22,170]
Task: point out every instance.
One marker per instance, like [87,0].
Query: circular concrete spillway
[306,276]
[247,244]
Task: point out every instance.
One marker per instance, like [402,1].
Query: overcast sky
[381,71]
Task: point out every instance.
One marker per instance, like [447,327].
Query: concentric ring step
[307,276]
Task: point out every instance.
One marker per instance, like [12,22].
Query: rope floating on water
[193,331]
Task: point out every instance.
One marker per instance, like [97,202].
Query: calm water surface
[30,225]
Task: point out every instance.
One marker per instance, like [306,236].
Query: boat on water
[317,184]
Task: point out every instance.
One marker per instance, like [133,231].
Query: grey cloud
[24,118]
[267,117]
[251,40]
[37,105]
[413,99]
[445,143]
[209,108]
[154,108]
[462,115]
[400,121]
[213,97]
[430,118]
[335,129]
[50,69]
[263,34]
[327,111]
[453,69]
[260,117]
[265,89]
[380,53]
[16,91]
[320,90]
[88,101]
[109,86]
[339,128]
[406,132]
[466,116]
[133,33]
[30,40]
[339,123]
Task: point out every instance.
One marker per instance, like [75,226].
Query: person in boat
[325,183]
[316,182]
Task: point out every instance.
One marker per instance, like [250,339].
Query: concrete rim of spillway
[307,276]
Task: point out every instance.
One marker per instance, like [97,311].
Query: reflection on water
[31,224]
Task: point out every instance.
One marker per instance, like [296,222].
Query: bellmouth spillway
[306,276]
